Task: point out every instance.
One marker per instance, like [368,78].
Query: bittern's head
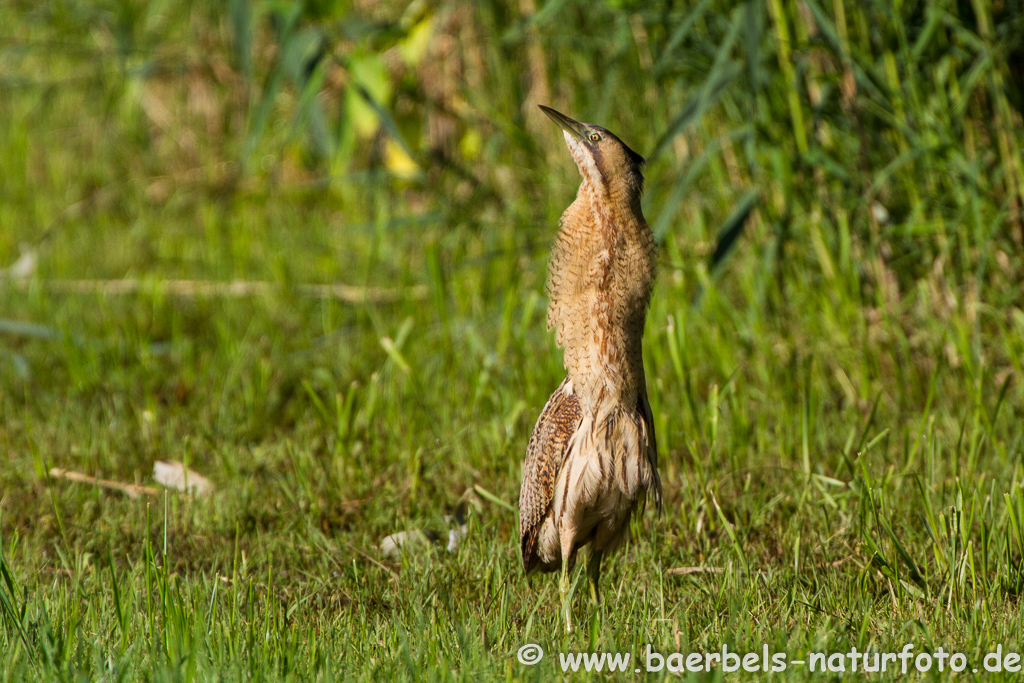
[602,157]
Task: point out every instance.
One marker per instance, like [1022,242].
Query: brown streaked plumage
[544,457]
[593,458]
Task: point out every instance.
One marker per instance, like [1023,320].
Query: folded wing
[545,455]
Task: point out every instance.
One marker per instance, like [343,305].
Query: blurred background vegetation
[836,187]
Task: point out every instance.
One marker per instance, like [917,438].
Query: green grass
[834,349]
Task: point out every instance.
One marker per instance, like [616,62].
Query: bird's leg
[594,574]
[567,536]
[563,590]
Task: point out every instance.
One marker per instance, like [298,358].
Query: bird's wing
[544,457]
[647,416]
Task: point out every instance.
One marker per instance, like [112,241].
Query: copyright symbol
[530,654]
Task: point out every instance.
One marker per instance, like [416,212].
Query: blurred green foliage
[869,132]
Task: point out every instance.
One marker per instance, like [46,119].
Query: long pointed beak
[573,128]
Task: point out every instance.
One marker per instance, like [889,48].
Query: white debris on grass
[174,475]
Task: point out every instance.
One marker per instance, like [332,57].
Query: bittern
[593,458]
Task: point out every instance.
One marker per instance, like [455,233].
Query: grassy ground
[835,345]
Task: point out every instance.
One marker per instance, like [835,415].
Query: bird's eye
[594,137]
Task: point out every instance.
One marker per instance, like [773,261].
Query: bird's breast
[599,285]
